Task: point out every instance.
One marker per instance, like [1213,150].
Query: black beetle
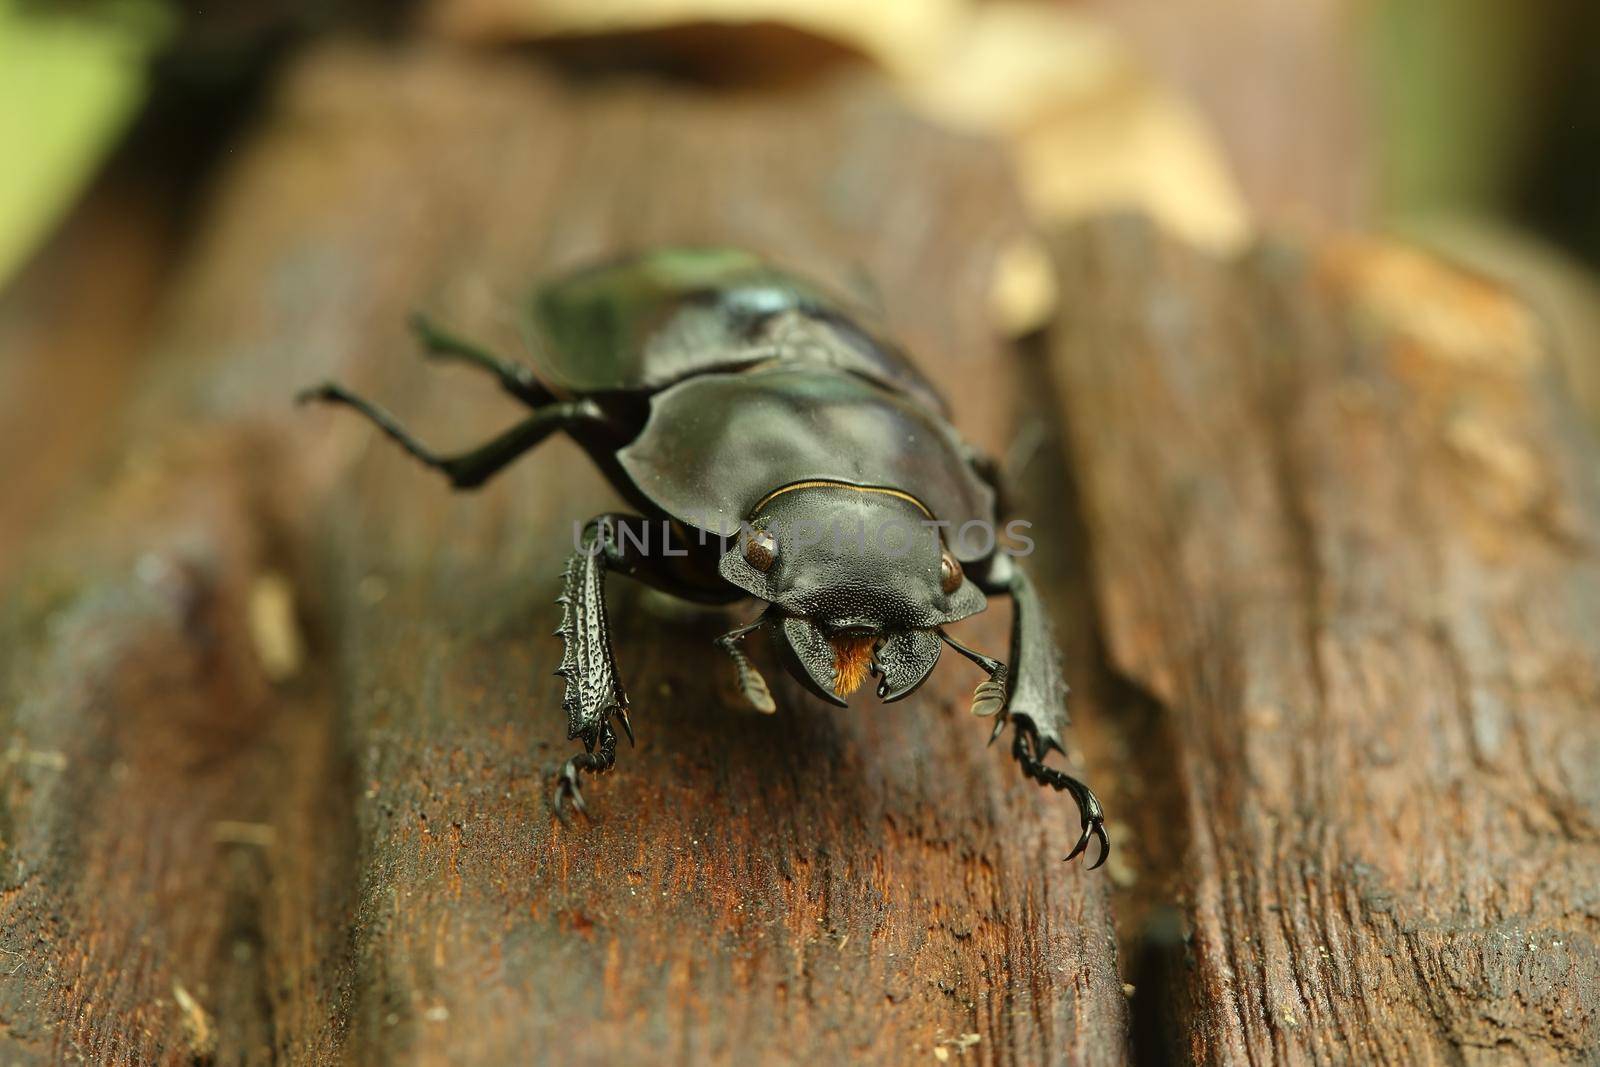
[719,394]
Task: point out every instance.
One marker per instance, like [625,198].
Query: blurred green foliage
[70,83]
[1490,109]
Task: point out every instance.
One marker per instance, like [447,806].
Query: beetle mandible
[718,393]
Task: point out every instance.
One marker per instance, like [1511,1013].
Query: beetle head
[860,580]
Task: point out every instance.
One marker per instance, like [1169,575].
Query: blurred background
[1470,126]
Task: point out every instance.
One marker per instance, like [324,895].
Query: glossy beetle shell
[640,324]
[716,445]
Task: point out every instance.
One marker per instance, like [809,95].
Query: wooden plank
[168,814]
[71,323]
[390,884]
[1342,525]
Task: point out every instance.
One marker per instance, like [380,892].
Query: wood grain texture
[359,863]
[71,323]
[1343,527]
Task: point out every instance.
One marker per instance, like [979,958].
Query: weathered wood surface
[359,862]
[71,327]
[1343,527]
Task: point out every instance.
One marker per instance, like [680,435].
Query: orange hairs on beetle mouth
[852,660]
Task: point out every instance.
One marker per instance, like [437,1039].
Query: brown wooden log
[1342,526]
[219,848]
[71,324]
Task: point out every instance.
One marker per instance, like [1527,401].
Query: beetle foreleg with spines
[594,694]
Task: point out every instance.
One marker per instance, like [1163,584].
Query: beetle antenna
[751,684]
[990,665]
[990,696]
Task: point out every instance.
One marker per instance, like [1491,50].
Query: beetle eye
[949,572]
[760,550]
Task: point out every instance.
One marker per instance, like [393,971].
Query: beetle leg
[1035,702]
[598,757]
[594,694]
[1024,746]
[751,684]
[514,378]
[468,470]
[594,699]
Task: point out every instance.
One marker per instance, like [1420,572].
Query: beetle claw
[601,755]
[999,728]
[1093,815]
[627,727]
[1105,845]
[1093,828]
[567,787]
[1077,849]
